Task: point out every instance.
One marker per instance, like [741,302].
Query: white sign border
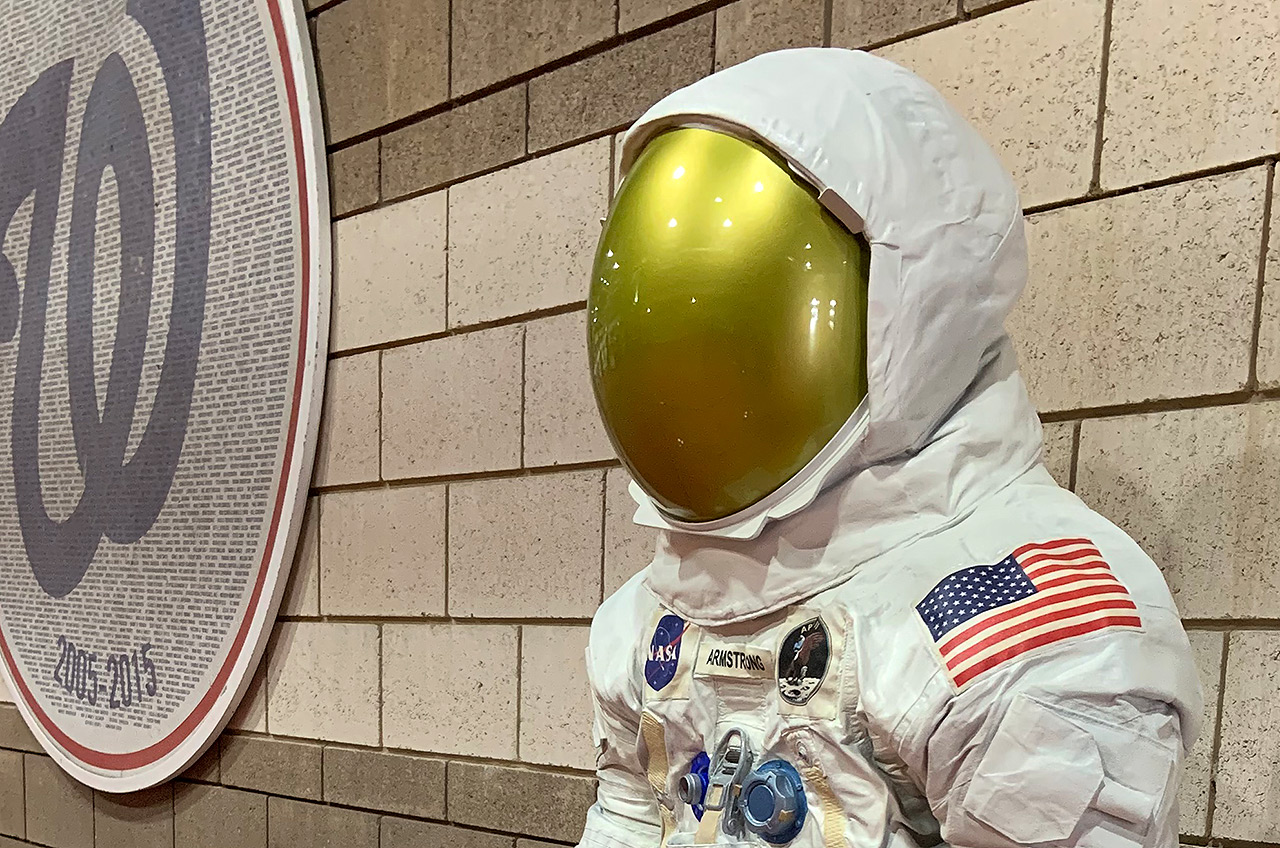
[312,184]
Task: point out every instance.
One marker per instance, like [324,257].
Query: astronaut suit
[872,618]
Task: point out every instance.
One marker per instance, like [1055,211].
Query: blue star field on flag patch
[971,592]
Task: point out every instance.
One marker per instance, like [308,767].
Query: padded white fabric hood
[946,420]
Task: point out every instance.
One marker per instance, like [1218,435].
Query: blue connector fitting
[693,786]
[773,803]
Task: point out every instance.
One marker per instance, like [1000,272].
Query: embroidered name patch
[729,659]
[1044,592]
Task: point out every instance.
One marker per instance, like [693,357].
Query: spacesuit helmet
[726,321]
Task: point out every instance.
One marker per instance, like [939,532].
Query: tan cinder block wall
[425,683]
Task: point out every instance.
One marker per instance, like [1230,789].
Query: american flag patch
[1041,593]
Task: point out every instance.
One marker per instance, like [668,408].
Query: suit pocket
[1048,771]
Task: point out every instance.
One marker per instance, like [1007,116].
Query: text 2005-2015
[131,675]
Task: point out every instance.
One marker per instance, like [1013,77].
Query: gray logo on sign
[121,499]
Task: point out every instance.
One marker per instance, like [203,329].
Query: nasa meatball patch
[663,660]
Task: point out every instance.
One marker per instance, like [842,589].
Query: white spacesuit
[919,638]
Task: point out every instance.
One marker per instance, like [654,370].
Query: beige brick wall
[425,684]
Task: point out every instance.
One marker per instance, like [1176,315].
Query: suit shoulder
[1036,590]
[629,605]
[612,653]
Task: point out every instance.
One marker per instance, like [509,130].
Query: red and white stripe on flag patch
[1041,593]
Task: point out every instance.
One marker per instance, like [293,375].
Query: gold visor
[726,323]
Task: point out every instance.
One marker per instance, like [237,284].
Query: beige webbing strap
[707,827]
[655,739]
[832,815]
[668,823]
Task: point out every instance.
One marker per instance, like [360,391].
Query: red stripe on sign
[1045,639]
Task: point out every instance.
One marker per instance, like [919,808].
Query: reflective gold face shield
[726,323]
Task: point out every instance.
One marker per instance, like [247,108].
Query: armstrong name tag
[732,659]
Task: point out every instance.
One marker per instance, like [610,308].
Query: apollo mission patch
[803,658]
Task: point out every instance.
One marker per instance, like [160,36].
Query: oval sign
[163,328]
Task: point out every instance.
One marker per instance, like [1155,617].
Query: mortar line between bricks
[381,705]
[358,210]
[1075,456]
[506,321]
[1219,842]
[1216,747]
[11,749]
[992,9]
[464,759]
[1231,624]
[916,33]
[431,188]
[613,171]
[1095,181]
[524,394]
[381,423]
[434,619]
[318,504]
[25,841]
[1107,194]
[588,52]
[1268,200]
[22,767]
[519,682]
[528,109]
[1243,396]
[448,200]
[604,523]
[324,7]
[448,49]
[447,496]
[180,780]
[444,781]
[389,814]
[715,19]
[470,476]
[444,106]
[1031,210]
